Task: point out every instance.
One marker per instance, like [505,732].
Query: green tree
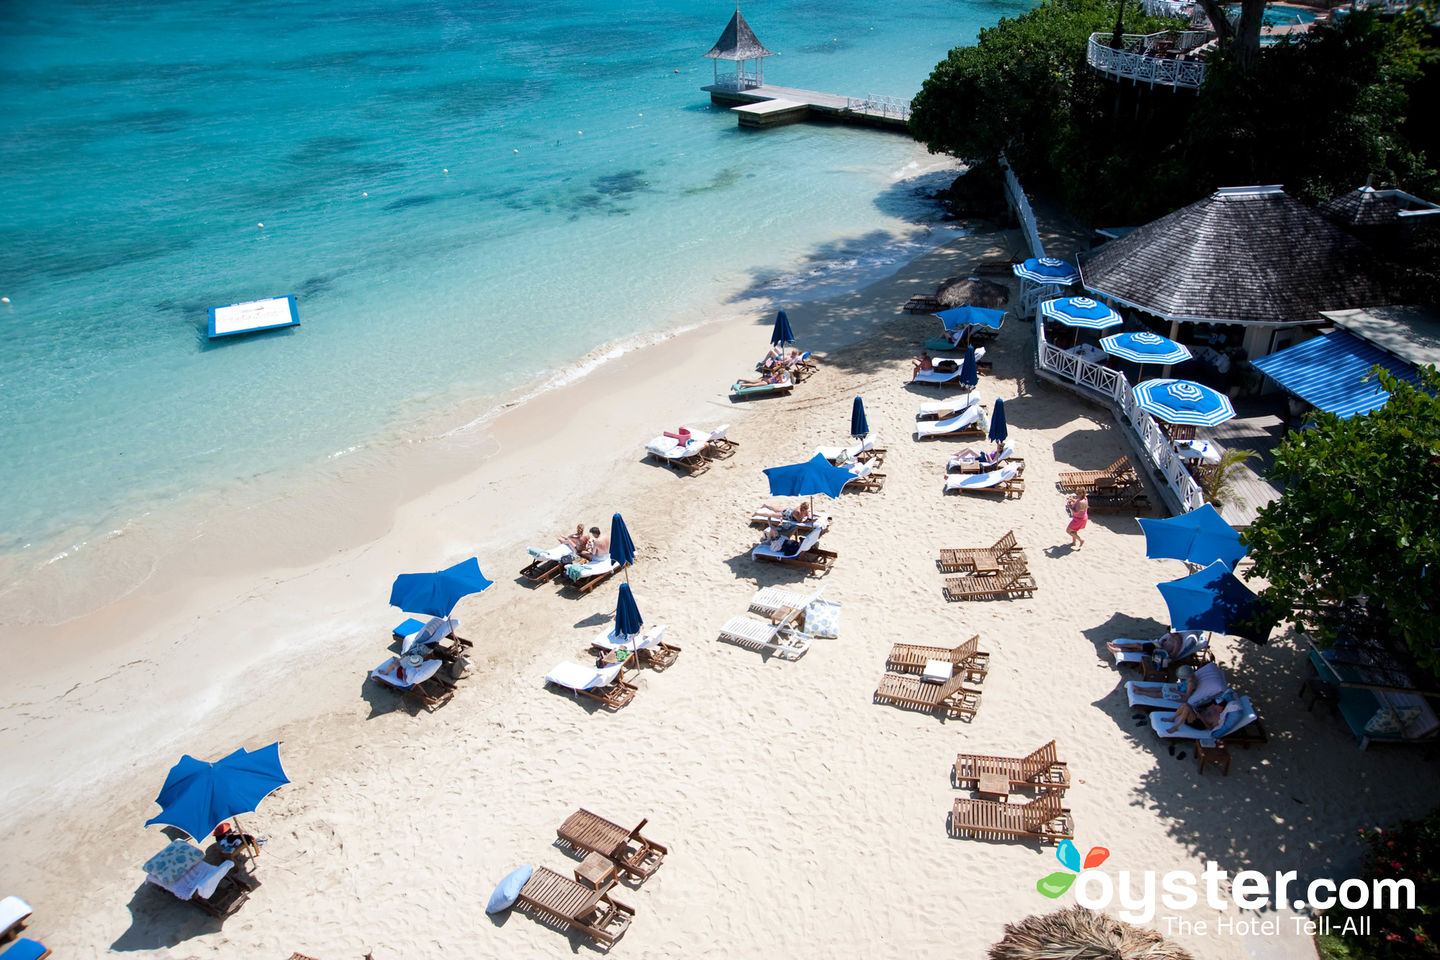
[1360,516]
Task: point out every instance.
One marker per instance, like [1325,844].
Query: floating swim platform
[253,316]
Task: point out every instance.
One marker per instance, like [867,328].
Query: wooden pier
[770,106]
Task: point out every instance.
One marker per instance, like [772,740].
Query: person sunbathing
[775,352]
[1208,715]
[799,513]
[922,363]
[1169,645]
[1184,686]
[576,541]
[598,550]
[971,455]
[774,377]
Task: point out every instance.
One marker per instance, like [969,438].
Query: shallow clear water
[462,195]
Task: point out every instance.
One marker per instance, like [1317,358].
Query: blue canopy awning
[1329,373]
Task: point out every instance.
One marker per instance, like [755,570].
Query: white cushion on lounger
[611,640]
[412,675]
[1238,713]
[433,632]
[938,671]
[936,407]
[12,911]
[932,428]
[577,676]
[771,548]
[980,481]
[670,449]
[1005,454]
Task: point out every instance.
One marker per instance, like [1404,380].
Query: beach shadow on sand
[160,920]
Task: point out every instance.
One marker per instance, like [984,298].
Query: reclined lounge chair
[772,602]
[861,452]
[416,680]
[1194,650]
[650,647]
[864,476]
[967,558]
[431,637]
[1239,723]
[584,577]
[605,684]
[973,465]
[1043,819]
[1110,495]
[952,697]
[689,456]
[1013,580]
[13,914]
[561,900]
[809,555]
[1039,770]
[181,870]
[945,409]
[970,423]
[1074,481]
[719,445]
[966,659]
[802,527]
[787,642]
[547,564]
[1209,683]
[631,853]
[1005,481]
[738,389]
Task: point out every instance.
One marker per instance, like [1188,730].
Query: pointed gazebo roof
[738,42]
[1250,255]
[1365,207]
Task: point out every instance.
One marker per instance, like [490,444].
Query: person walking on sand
[1078,507]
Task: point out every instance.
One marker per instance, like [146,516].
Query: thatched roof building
[1247,255]
[738,42]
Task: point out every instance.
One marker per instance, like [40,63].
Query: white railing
[1130,63]
[1020,206]
[739,80]
[874,106]
[1032,294]
[1179,9]
[1146,433]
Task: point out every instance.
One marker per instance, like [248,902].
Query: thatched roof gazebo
[739,44]
[959,291]
[1080,934]
[1243,255]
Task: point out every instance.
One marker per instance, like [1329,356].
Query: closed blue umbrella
[781,333]
[1080,312]
[1200,537]
[1144,347]
[628,621]
[1214,599]
[436,594]
[622,548]
[969,372]
[999,433]
[859,426]
[1046,270]
[960,316]
[1182,401]
[816,475]
[198,796]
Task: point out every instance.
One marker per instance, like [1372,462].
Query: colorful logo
[1058,882]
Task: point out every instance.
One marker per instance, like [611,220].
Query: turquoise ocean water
[463,195]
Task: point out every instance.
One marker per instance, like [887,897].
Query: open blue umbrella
[969,372]
[961,316]
[1080,312]
[437,593]
[622,548]
[1183,401]
[1046,270]
[999,432]
[199,796]
[1215,599]
[1200,537]
[816,475]
[1144,347]
[781,333]
[859,426]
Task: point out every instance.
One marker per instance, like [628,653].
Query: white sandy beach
[802,819]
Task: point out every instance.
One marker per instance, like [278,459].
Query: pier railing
[739,80]
[1152,58]
[879,106]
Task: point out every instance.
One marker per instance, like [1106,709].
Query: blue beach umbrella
[199,796]
[816,475]
[1200,537]
[1080,312]
[436,594]
[999,432]
[627,615]
[969,372]
[1214,599]
[1183,401]
[961,316]
[622,548]
[1144,347]
[781,333]
[1046,270]
[859,426]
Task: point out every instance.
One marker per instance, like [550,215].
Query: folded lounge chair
[414,676]
[808,555]
[688,456]
[650,647]
[561,900]
[1042,818]
[25,949]
[972,423]
[966,558]
[1013,580]
[1073,481]
[1239,715]
[915,693]
[13,914]
[1209,683]
[584,577]
[1194,650]
[765,389]
[966,659]
[1005,481]
[1040,769]
[547,563]
[976,465]
[181,870]
[631,853]
[606,684]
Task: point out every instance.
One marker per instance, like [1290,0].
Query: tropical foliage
[1410,851]
[1358,517]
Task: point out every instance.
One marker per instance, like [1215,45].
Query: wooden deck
[791,105]
[1258,426]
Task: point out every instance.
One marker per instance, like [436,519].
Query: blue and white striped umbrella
[1046,270]
[1144,347]
[1182,401]
[1080,312]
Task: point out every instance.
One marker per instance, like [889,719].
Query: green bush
[1411,851]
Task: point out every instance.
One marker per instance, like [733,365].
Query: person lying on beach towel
[1170,645]
[799,513]
[775,378]
[972,455]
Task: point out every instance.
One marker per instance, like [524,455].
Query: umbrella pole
[254,848]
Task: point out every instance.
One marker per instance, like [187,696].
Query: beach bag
[790,548]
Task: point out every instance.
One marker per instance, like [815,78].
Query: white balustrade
[1132,63]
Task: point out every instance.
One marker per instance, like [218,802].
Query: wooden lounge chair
[689,457]
[803,527]
[966,658]
[865,477]
[862,452]
[810,556]
[1013,580]
[631,853]
[717,445]
[762,390]
[560,900]
[945,409]
[650,647]
[1073,481]
[921,303]
[1042,818]
[605,684]
[1109,495]
[589,581]
[1006,458]
[952,697]
[1004,480]
[421,682]
[966,558]
[1038,770]
[547,566]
